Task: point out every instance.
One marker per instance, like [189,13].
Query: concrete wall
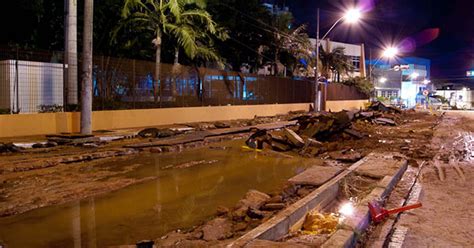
[53,123]
[336,106]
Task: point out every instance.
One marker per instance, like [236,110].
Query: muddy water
[178,198]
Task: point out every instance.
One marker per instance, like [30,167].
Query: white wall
[39,84]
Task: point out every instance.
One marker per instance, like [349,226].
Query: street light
[383,80]
[390,52]
[351,16]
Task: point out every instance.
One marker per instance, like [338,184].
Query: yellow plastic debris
[318,223]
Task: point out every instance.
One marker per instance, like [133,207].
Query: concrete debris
[273,206]
[384,121]
[217,229]
[257,139]
[346,156]
[156,133]
[255,214]
[220,124]
[354,133]
[381,107]
[293,138]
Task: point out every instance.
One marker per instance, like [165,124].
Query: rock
[253,199]
[12,147]
[257,139]
[51,144]
[346,157]
[304,192]
[276,199]
[293,138]
[219,124]
[90,145]
[38,145]
[255,214]
[240,226]
[156,133]
[280,147]
[289,191]
[274,206]
[171,239]
[384,121]
[221,210]
[156,150]
[354,133]
[217,229]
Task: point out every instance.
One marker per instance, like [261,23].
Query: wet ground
[180,197]
[121,200]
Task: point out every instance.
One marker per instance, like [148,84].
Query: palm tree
[185,20]
[293,41]
[334,63]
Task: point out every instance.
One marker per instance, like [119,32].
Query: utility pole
[70,50]
[86,100]
[317,101]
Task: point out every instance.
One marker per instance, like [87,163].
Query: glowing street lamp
[382,80]
[351,16]
[390,52]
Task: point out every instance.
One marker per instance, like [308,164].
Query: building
[30,87]
[458,92]
[354,52]
[403,81]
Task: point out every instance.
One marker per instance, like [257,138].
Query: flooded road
[178,198]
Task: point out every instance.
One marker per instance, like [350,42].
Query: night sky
[442,31]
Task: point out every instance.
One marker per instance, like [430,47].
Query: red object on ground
[378,213]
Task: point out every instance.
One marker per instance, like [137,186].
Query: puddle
[179,198]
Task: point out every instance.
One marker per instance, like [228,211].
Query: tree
[293,45]
[86,100]
[185,20]
[334,63]
[363,85]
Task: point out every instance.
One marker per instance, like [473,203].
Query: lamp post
[351,16]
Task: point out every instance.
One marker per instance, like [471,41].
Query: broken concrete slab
[380,165]
[315,176]
[384,121]
[293,138]
[350,156]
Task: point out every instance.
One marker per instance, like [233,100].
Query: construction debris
[381,107]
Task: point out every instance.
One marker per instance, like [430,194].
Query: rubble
[381,107]
[156,133]
[217,229]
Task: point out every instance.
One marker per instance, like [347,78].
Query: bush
[50,108]
[5,111]
[361,84]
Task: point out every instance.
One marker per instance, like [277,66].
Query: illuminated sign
[401,67]
[470,73]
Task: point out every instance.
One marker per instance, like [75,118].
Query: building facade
[354,52]
[404,81]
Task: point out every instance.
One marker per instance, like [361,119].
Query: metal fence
[125,83]
[35,81]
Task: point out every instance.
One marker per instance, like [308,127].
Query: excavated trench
[189,187]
